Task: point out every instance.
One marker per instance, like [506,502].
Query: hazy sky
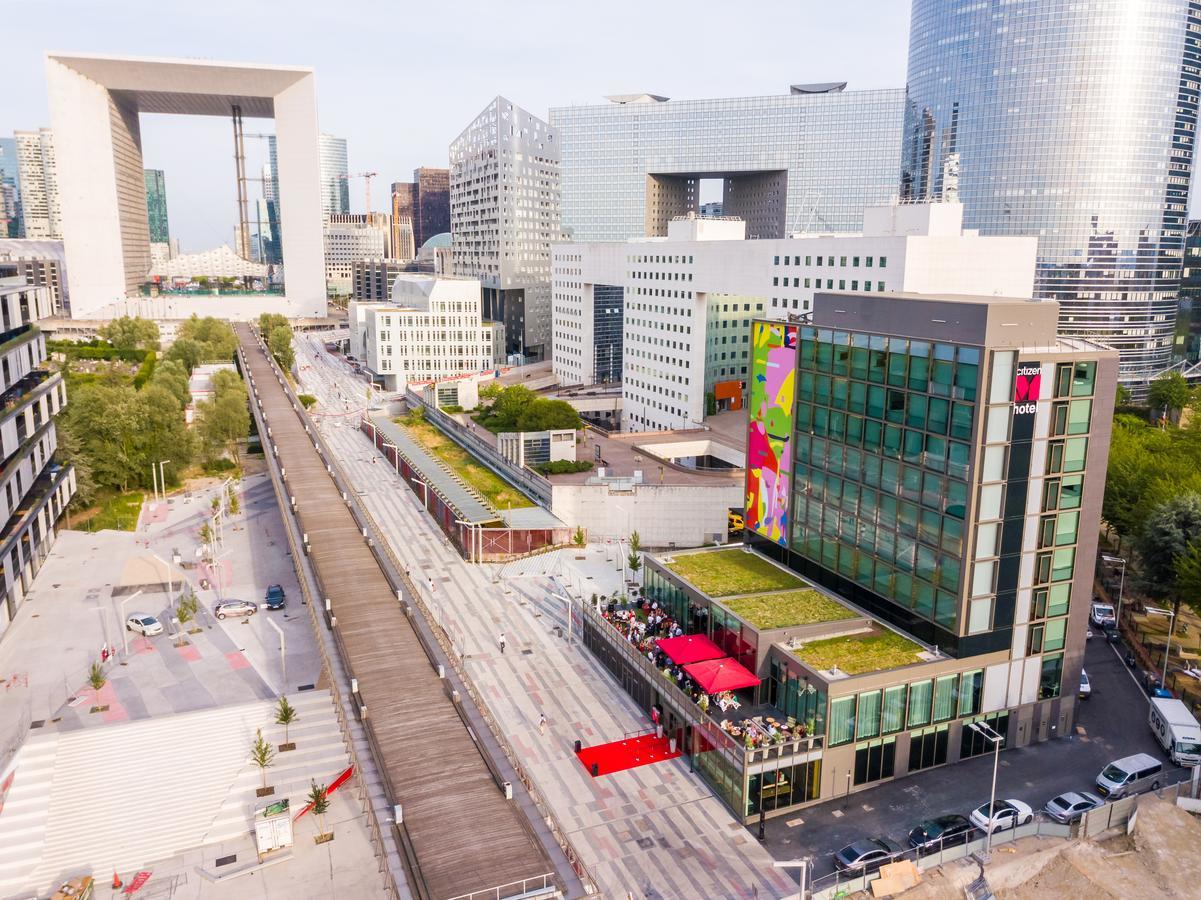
[400,79]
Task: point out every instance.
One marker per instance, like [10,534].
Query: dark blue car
[275,597]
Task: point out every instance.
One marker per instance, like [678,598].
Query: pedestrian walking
[542,724]
[501,641]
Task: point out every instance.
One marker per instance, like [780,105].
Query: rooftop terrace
[855,654]
[730,572]
[788,608]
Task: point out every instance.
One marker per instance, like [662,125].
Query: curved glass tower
[1074,122]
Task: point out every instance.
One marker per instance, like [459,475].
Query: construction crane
[366,176]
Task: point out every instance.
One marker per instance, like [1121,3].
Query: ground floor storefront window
[875,760]
[721,775]
[972,743]
[784,787]
[928,747]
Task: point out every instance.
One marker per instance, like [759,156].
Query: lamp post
[1167,650]
[162,477]
[283,657]
[471,538]
[1114,561]
[170,583]
[802,864]
[103,623]
[425,489]
[124,630]
[989,733]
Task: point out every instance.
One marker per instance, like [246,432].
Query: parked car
[1005,814]
[1070,806]
[275,597]
[145,624]
[943,831]
[735,522]
[867,855]
[1086,688]
[1130,775]
[1101,614]
[235,608]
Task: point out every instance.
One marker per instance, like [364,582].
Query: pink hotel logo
[1026,388]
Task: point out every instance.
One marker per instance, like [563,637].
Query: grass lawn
[491,486]
[805,607]
[858,654]
[723,573]
[116,511]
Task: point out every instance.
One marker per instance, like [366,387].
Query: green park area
[725,573]
[497,492]
[115,511]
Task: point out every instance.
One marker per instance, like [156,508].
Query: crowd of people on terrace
[643,623]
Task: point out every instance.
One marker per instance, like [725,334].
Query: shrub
[306,400]
[563,467]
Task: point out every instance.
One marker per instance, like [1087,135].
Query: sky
[401,79]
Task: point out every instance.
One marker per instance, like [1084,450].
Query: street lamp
[989,733]
[424,487]
[162,477]
[1167,650]
[103,623]
[802,864]
[167,569]
[124,630]
[283,659]
[1113,561]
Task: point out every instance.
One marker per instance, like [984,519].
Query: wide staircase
[121,796]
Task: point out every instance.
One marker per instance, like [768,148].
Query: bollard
[595,769]
[398,814]
[454,697]
[441,671]
[508,790]
[328,606]
[354,685]
[579,745]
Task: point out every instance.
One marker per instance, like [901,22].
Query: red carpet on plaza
[627,754]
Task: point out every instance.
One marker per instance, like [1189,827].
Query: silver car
[1070,806]
[144,624]
[235,608]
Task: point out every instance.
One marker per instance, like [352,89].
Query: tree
[70,453]
[508,406]
[1188,578]
[279,342]
[187,352]
[96,679]
[635,542]
[285,715]
[1122,396]
[1171,531]
[635,563]
[578,538]
[262,755]
[185,615]
[235,505]
[1169,392]
[548,415]
[268,322]
[319,800]
[490,392]
[222,422]
[128,333]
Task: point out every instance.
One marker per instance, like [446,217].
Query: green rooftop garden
[781,610]
[724,573]
[857,654]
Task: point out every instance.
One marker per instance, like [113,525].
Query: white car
[1101,614]
[1005,814]
[145,624]
[1086,688]
[235,608]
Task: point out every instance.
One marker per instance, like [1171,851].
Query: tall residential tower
[41,214]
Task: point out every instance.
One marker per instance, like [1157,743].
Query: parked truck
[1176,730]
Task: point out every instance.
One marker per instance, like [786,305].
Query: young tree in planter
[635,563]
[96,679]
[319,798]
[578,538]
[285,715]
[263,756]
[235,505]
[185,615]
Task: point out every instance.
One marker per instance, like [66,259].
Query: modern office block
[95,103]
[688,300]
[349,238]
[10,191]
[38,264]
[41,210]
[36,489]
[810,159]
[1097,165]
[425,201]
[372,278]
[335,183]
[156,206]
[504,213]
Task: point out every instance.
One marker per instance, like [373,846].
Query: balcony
[35,498]
[16,394]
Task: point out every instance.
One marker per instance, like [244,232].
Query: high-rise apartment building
[335,185]
[811,159]
[504,216]
[425,201]
[10,191]
[156,206]
[1096,165]
[36,488]
[41,214]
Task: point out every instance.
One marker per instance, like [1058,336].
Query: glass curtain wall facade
[335,186]
[156,206]
[608,326]
[996,98]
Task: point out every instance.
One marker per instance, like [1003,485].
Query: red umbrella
[717,675]
[690,648]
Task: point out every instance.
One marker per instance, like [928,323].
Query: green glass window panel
[902,588]
[842,721]
[867,505]
[893,717]
[830,554]
[927,563]
[956,500]
[948,572]
[939,415]
[936,453]
[942,375]
[871,470]
[859,363]
[1050,677]
[895,407]
[1066,527]
[1071,490]
[928,527]
[1074,452]
[821,421]
[888,508]
[919,373]
[1058,598]
[947,610]
[1054,634]
[911,483]
[1084,376]
[957,459]
[842,359]
[961,421]
[875,402]
[915,445]
[952,536]
[892,441]
[808,353]
[819,453]
[858,395]
[1063,380]
[804,448]
[873,434]
[821,389]
[850,496]
[920,693]
[965,381]
[868,724]
[804,417]
[1079,416]
[886,545]
[907,519]
[841,393]
[923,599]
[1062,564]
[945,697]
[805,386]
[854,430]
[825,357]
[932,490]
[898,367]
[906,552]
[971,685]
[890,476]
[854,462]
[846,558]
[915,415]
[838,424]
[877,365]
[834,459]
[883,582]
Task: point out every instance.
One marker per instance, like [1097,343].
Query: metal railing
[541,886]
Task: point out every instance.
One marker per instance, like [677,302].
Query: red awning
[717,675]
[690,648]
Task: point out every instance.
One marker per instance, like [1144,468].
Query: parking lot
[1112,724]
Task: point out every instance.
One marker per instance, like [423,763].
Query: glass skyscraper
[1073,122]
[10,194]
[156,206]
[335,188]
[808,160]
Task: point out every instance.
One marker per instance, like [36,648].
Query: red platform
[627,754]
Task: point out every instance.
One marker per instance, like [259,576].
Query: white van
[1176,730]
[1130,775]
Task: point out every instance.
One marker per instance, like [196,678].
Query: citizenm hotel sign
[1026,387]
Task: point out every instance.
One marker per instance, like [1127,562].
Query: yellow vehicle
[735,522]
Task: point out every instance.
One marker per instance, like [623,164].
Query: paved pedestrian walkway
[655,831]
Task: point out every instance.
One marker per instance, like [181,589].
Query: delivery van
[1176,730]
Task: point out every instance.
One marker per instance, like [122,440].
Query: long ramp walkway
[460,834]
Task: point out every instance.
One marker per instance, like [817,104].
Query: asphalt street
[1112,724]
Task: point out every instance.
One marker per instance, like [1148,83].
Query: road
[1112,724]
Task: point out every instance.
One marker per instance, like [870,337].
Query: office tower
[504,215]
[373,278]
[335,185]
[712,209]
[426,201]
[37,263]
[10,191]
[40,212]
[688,301]
[36,488]
[403,245]
[351,237]
[808,160]
[156,206]
[1097,165]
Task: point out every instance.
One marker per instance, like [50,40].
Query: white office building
[504,216]
[687,300]
[38,173]
[351,238]
[432,328]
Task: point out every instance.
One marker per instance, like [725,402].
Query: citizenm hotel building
[924,485]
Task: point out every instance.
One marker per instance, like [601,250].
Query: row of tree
[517,408]
[278,335]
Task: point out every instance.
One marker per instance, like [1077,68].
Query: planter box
[96,709]
[264,792]
[323,838]
[284,748]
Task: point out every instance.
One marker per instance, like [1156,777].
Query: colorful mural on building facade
[769,429]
